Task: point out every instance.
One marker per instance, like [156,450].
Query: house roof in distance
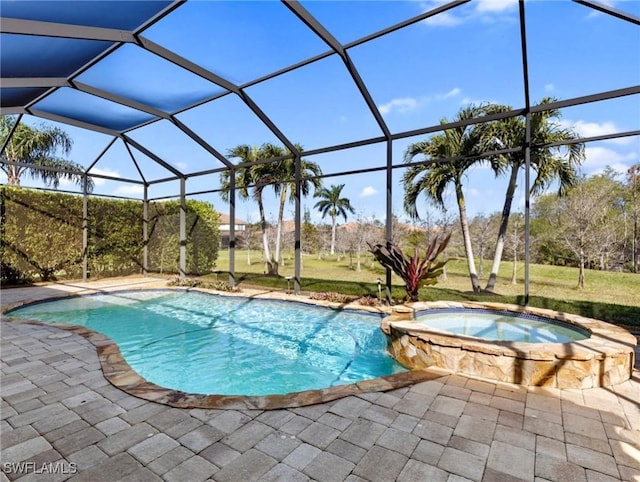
[225,219]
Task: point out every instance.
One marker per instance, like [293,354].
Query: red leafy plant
[414,270]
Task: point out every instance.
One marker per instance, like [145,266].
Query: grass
[609,296]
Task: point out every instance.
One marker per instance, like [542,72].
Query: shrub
[185,282]
[413,270]
[209,285]
[368,301]
[219,286]
[331,297]
[12,276]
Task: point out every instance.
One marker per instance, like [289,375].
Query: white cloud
[590,129]
[368,191]
[485,10]
[130,189]
[491,6]
[444,19]
[402,104]
[452,93]
[607,3]
[98,181]
[182,166]
[549,87]
[593,129]
[469,100]
[407,104]
[597,158]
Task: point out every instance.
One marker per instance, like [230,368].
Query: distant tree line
[433,165]
[595,225]
[592,225]
[587,223]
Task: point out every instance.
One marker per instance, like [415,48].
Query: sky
[416,76]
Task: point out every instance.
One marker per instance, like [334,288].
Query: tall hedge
[115,237]
[203,237]
[41,236]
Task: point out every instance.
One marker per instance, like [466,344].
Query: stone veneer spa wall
[605,358]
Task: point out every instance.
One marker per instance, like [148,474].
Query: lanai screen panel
[176,85]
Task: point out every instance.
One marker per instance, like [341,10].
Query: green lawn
[609,296]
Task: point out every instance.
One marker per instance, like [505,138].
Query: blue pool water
[208,344]
[501,325]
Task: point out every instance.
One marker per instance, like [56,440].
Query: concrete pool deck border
[606,358]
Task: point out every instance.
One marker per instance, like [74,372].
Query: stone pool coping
[120,374]
[605,358]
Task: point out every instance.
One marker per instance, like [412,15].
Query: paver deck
[60,414]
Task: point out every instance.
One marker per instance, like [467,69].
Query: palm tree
[550,163]
[284,171]
[432,179]
[255,177]
[37,148]
[278,174]
[333,205]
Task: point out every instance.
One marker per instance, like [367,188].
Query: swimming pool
[501,325]
[202,343]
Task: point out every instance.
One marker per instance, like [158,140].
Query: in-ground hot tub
[592,354]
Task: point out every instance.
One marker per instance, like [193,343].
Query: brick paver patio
[60,414]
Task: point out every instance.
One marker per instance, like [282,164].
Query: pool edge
[120,374]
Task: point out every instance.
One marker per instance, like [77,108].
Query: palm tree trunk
[283,200]
[466,235]
[265,239]
[333,234]
[635,257]
[13,176]
[504,223]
